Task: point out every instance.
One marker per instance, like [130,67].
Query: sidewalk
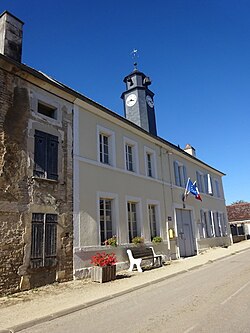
[26,309]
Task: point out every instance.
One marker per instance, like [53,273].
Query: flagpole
[185,192]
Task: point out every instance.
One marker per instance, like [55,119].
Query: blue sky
[196,52]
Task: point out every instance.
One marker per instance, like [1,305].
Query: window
[223,223]
[132,220]
[46,110]
[217,225]
[237,229]
[206,227]
[152,220]
[43,240]
[106,146]
[46,155]
[106,224]
[130,152]
[180,173]
[150,162]
[200,181]
[211,231]
[204,183]
[202,225]
[129,158]
[149,165]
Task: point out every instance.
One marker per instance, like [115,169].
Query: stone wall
[13,180]
[21,194]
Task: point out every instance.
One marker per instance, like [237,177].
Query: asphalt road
[214,298]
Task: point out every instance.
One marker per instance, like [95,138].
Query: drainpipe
[164,196]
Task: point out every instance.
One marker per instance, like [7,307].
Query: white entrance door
[185,233]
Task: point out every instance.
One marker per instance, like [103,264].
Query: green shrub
[111,241]
[157,240]
[138,240]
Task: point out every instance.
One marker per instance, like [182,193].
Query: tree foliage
[238,202]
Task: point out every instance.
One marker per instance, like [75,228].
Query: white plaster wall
[95,177]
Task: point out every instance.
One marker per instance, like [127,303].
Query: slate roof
[54,82]
[239,212]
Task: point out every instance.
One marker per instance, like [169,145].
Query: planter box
[103,274]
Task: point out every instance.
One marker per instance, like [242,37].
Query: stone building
[69,164]
[35,172]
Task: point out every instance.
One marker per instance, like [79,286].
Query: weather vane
[135,56]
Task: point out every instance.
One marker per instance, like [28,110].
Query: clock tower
[139,101]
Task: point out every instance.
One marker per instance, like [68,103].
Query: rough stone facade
[22,194]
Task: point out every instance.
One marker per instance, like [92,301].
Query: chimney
[190,150]
[11,36]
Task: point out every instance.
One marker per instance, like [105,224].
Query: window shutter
[185,175]
[210,216]
[206,183]
[176,174]
[217,187]
[216,224]
[37,238]
[198,181]
[50,242]
[52,160]
[40,154]
[210,184]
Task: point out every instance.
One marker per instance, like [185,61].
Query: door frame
[194,227]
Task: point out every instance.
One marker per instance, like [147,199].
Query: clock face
[150,101]
[131,100]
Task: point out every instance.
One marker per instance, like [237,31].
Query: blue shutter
[185,175]
[37,238]
[206,183]
[198,179]
[176,173]
[52,160]
[40,154]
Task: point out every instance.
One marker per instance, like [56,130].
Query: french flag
[193,189]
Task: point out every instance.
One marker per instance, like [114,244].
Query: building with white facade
[129,182]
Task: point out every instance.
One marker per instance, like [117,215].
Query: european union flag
[193,189]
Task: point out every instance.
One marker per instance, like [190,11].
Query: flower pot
[103,274]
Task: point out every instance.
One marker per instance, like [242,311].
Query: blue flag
[193,189]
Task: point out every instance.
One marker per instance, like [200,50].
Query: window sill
[42,268]
[45,179]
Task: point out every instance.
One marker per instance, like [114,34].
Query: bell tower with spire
[139,101]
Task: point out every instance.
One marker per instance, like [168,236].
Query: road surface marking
[234,294]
